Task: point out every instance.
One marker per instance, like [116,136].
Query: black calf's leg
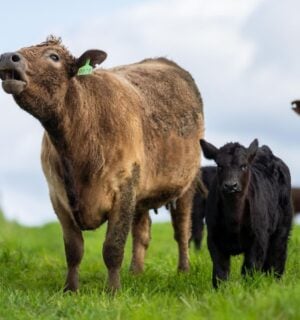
[198,220]
[221,264]
[277,252]
[197,234]
[254,258]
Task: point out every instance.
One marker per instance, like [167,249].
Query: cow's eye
[54,57]
[244,167]
[220,168]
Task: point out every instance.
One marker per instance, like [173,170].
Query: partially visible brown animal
[296,199]
[117,142]
[297,106]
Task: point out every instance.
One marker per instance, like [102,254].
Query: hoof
[71,289]
[136,269]
[114,283]
[184,268]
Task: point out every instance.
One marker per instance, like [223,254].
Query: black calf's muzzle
[231,187]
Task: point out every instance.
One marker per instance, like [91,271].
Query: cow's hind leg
[277,253]
[277,250]
[140,240]
[181,220]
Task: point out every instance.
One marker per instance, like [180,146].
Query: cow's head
[233,162]
[40,74]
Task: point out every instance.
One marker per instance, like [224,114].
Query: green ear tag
[86,69]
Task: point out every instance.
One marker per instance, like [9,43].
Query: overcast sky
[244,56]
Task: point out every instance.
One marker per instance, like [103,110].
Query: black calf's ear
[252,149]
[88,60]
[209,150]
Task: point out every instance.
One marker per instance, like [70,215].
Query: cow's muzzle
[231,187]
[12,72]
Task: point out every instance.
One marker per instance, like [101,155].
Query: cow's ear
[209,150]
[87,61]
[94,56]
[252,149]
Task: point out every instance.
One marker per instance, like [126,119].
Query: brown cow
[117,142]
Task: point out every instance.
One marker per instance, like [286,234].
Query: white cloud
[195,33]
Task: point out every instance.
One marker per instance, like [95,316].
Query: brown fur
[116,141]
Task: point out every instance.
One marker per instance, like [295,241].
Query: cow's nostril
[15,58]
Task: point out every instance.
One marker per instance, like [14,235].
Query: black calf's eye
[220,168]
[244,167]
[54,57]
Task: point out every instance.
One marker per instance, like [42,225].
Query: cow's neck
[67,125]
[50,114]
[56,129]
[73,132]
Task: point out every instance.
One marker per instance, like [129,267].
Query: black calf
[248,209]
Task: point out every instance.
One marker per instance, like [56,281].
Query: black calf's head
[233,162]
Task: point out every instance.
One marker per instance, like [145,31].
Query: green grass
[32,269]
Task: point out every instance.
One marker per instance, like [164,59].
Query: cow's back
[270,187]
[171,112]
[171,100]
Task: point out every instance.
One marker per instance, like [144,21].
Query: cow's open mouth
[13,81]
[11,75]
[232,191]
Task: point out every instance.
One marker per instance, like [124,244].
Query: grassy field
[32,269]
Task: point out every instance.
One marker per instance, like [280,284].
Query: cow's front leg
[119,223]
[254,258]
[221,263]
[73,242]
